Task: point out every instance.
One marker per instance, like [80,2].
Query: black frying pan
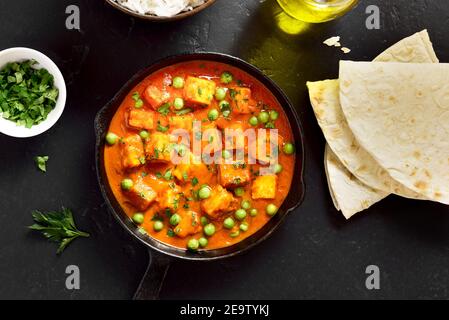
[160,253]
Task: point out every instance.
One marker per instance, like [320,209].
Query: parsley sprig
[57,226]
[41,162]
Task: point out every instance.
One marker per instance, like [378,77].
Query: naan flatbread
[351,195]
[399,113]
[325,101]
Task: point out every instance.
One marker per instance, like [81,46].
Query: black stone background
[315,254]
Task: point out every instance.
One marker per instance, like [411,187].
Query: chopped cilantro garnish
[27,95]
[161,128]
[164,109]
[183,112]
[168,175]
[136,96]
[232,93]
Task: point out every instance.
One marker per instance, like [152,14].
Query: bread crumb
[345,50]
[333,42]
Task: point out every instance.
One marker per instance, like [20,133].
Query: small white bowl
[10,128]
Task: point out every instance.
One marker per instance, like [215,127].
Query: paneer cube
[189,224]
[156,96]
[187,171]
[199,92]
[221,201]
[158,147]
[132,152]
[240,100]
[169,199]
[234,175]
[141,195]
[264,187]
[184,122]
[141,119]
[236,137]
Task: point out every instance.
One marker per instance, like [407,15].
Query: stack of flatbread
[386,124]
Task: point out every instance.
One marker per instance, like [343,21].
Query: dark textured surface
[315,254]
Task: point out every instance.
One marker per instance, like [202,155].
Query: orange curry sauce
[177,193]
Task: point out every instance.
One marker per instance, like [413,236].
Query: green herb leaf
[136,96]
[57,226]
[164,109]
[161,128]
[168,175]
[41,162]
[183,112]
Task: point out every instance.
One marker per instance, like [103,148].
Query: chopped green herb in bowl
[27,95]
[32,92]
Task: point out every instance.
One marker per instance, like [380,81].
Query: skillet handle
[152,281]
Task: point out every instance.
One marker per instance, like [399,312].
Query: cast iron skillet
[160,253]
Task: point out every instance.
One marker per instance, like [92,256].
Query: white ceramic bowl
[10,128]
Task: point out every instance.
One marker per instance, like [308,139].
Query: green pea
[127,184]
[289,148]
[244,226]
[203,242]
[144,134]
[239,192]
[175,219]
[263,117]
[240,214]
[138,218]
[204,192]
[278,168]
[138,104]
[253,121]
[178,82]
[193,244]
[158,226]
[271,209]
[111,138]
[253,212]
[209,230]
[246,204]
[220,94]
[229,223]
[226,154]
[224,105]
[234,234]
[178,103]
[226,77]
[213,114]
[274,115]
[204,221]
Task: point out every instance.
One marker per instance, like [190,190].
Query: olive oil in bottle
[316,11]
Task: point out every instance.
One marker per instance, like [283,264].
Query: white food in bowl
[11,128]
[161,8]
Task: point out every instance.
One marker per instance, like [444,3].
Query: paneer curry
[214,197]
